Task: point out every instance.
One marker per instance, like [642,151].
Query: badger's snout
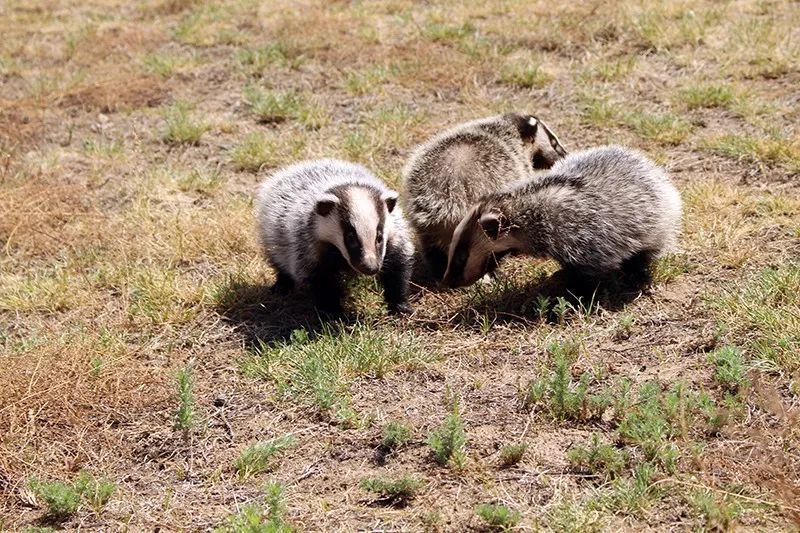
[368,266]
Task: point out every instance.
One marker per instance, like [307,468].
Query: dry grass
[125,258]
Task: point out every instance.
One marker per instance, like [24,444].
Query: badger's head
[484,232]
[541,145]
[356,220]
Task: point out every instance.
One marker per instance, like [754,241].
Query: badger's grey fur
[595,212]
[451,171]
[317,218]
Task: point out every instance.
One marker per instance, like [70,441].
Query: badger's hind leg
[395,277]
[284,284]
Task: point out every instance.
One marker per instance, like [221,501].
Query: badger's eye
[351,238]
[379,236]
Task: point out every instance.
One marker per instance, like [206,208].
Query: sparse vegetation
[395,435]
[182,128]
[498,517]
[268,517]
[393,491]
[257,458]
[448,442]
[132,139]
[184,415]
[512,454]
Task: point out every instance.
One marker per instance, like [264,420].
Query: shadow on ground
[262,316]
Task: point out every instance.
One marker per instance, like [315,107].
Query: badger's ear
[391,200]
[493,224]
[527,125]
[326,204]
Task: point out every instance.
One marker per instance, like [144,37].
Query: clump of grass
[563,397]
[729,369]
[600,111]
[252,153]
[184,415]
[718,514]
[707,95]
[528,76]
[257,458]
[598,458]
[97,491]
[765,312]
[60,499]
[200,181]
[269,517]
[181,127]
[361,82]
[669,267]
[625,323]
[772,149]
[512,454]
[650,423]
[634,495]
[498,517]
[260,61]
[393,491]
[272,106]
[318,370]
[449,440]
[395,435]
[661,128]
[610,70]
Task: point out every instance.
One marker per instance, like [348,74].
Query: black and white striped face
[481,236]
[356,220]
[543,145]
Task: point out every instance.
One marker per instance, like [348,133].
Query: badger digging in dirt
[451,171]
[318,219]
[596,212]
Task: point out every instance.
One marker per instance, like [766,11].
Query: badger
[451,171]
[597,212]
[319,218]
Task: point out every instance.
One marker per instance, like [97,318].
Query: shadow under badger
[596,212]
[318,219]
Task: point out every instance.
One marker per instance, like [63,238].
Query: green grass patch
[449,441]
[184,414]
[598,458]
[318,370]
[266,517]
[764,312]
[661,128]
[559,394]
[62,500]
[512,454]
[394,436]
[707,96]
[776,149]
[258,458]
[527,76]
[393,491]
[272,106]
[498,517]
[181,126]
[729,368]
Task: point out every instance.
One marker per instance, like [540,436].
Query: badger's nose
[370,268]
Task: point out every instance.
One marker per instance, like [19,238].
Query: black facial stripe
[352,242]
[459,260]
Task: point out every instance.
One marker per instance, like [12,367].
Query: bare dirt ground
[140,347]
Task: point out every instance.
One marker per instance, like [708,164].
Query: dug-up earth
[149,381]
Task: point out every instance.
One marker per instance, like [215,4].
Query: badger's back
[446,175]
[285,205]
[601,206]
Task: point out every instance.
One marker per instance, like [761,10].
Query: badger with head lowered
[596,212]
[451,171]
[318,219]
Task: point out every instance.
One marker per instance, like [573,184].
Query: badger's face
[542,145]
[481,234]
[355,220]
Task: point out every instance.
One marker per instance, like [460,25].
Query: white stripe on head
[364,217]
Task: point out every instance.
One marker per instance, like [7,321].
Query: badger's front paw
[401,308]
